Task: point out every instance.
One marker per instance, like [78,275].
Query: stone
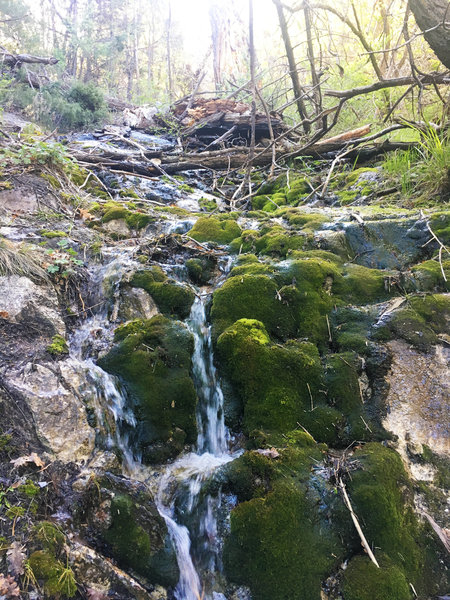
[136,303]
[418,400]
[58,412]
[95,571]
[117,227]
[26,302]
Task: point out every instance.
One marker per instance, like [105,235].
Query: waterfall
[182,482]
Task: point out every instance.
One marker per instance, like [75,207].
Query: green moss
[58,346]
[250,476]
[171,298]
[200,270]
[129,542]
[134,219]
[440,224]
[428,276]
[279,547]
[50,536]
[153,360]
[58,580]
[270,402]
[363,285]
[304,220]
[210,229]
[272,241]
[364,581]
[381,496]
[52,234]
[252,297]
[420,322]
[29,489]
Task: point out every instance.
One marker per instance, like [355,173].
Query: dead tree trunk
[433,18]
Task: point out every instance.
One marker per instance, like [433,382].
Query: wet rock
[98,573]
[58,413]
[122,517]
[117,227]
[136,303]
[29,318]
[418,398]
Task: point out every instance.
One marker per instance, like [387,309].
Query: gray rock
[136,303]
[118,227]
[58,413]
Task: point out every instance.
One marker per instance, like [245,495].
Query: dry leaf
[30,458]
[86,215]
[8,587]
[4,314]
[15,557]
[94,594]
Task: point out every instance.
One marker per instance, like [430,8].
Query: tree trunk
[297,88]
[433,13]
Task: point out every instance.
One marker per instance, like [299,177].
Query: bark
[434,15]
[15,60]
[299,92]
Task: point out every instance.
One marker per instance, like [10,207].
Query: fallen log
[15,60]
[219,160]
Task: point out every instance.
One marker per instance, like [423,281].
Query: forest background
[341,65]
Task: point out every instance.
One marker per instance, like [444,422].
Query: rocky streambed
[186,390]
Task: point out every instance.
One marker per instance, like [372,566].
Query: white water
[179,492]
[183,481]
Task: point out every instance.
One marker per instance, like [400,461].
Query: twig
[356,524]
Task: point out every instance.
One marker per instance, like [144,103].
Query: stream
[191,519]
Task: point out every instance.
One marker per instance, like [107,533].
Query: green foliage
[39,154]
[58,346]
[153,360]
[63,261]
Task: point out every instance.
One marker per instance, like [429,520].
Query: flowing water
[191,516]
[180,488]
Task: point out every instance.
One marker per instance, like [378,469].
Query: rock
[418,398]
[136,303]
[95,571]
[30,317]
[414,449]
[141,117]
[59,414]
[118,227]
[26,302]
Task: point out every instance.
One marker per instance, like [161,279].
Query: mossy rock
[279,546]
[210,229]
[58,580]
[272,241]
[153,360]
[134,219]
[364,581]
[428,276]
[171,298]
[200,270]
[273,386]
[363,285]
[381,497]
[419,323]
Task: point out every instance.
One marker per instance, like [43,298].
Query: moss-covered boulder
[171,298]
[280,546]
[113,211]
[153,359]
[273,382]
[211,229]
[364,581]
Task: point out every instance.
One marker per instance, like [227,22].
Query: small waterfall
[181,485]
[86,342]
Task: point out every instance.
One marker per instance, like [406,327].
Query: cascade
[190,471]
